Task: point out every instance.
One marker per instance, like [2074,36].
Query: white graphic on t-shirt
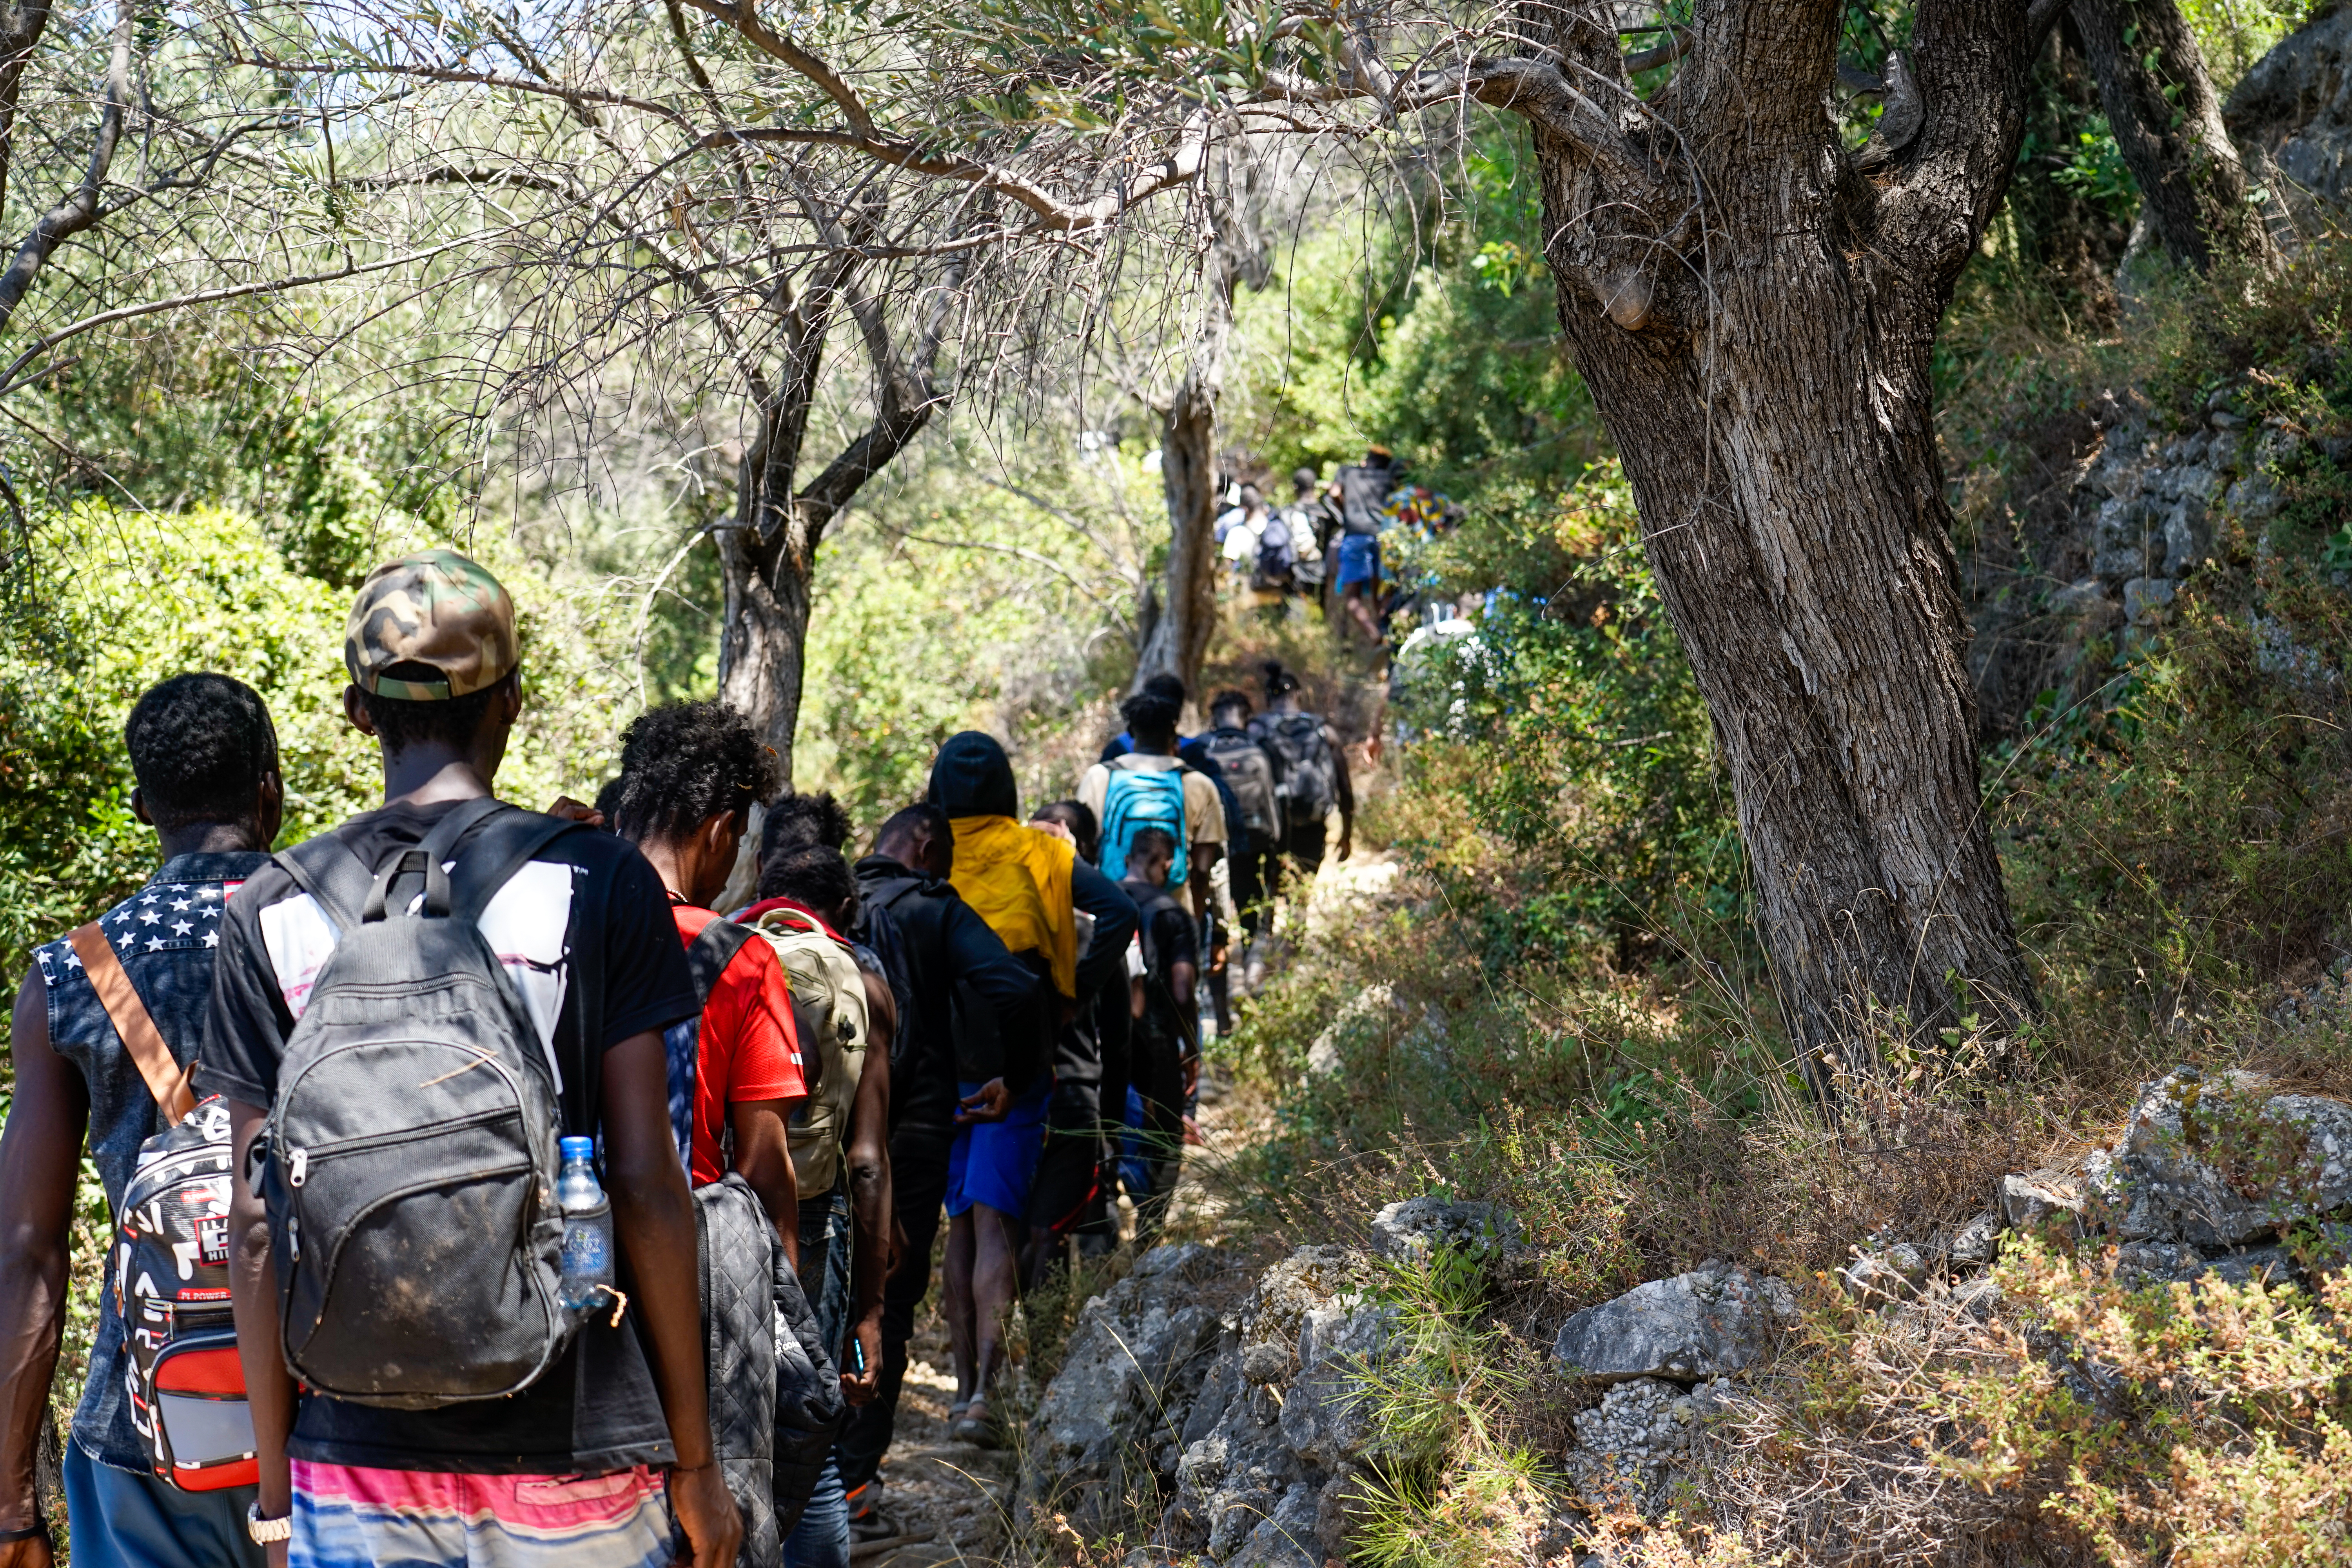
[525,924]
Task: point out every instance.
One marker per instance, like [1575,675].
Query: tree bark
[2167,121]
[1755,319]
[1177,638]
[1176,623]
[767,550]
[81,207]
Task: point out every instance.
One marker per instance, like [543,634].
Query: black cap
[974,778]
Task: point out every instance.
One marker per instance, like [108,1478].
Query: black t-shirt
[1169,937]
[586,906]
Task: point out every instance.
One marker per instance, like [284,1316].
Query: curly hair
[684,764]
[199,745]
[1150,716]
[797,819]
[812,874]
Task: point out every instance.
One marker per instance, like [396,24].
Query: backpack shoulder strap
[504,844]
[166,1080]
[714,947]
[326,868]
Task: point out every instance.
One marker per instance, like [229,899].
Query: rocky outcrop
[1717,1319]
[1630,1446]
[2216,1162]
[1106,1432]
[2291,116]
[1416,1226]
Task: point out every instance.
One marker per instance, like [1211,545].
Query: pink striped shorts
[346,1516]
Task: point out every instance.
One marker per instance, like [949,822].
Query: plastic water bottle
[587,1227]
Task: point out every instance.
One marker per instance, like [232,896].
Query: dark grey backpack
[409,1161]
[1310,785]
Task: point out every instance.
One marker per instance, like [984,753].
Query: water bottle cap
[577,1148]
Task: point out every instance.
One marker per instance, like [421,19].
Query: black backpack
[1249,770]
[409,1161]
[1309,786]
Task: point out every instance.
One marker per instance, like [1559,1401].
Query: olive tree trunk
[1754,309]
[2167,121]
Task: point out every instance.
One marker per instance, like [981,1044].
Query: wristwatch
[266,1530]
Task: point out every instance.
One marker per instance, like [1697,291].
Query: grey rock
[1417,1227]
[1977,1242]
[1137,1356]
[2220,1162]
[1641,1434]
[2081,594]
[1285,1538]
[2143,596]
[1887,1274]
[2142,1263]
[1289,1378]
[1978,1298]
[2291,120]
[2036,1199]
[2274,1266]
[1327,1054]
[1328,1413]
[1265,1363]
[1714,1319]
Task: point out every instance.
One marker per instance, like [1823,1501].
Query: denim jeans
[821,1540]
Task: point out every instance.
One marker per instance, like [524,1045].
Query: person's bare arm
[1183,975]
[869,1193]
[1346,790]
[653,1219]
[253,1303]
[764,1154]
[40,1155]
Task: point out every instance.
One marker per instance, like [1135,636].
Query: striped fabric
[350,1516]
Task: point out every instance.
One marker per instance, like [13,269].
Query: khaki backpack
[829,1011]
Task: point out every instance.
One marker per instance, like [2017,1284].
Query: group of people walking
[1327,543]
[500,1187]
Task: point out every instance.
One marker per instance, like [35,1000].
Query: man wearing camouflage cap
[571,1469]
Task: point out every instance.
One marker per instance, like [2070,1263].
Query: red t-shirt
[749,1049]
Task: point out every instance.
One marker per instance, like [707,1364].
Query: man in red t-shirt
[689,773]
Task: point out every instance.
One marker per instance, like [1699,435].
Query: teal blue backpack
[1136,799]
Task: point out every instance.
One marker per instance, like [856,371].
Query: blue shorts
[1359,558]
[995,1162]
[121,1519]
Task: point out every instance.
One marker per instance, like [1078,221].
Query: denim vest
[165,934]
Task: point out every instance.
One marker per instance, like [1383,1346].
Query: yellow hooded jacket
[1019,880]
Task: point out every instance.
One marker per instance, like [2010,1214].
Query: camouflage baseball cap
[437,608]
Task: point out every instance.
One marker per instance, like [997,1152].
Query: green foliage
[1571,727]
[953,604]
[1453,359]
[99,605]
[2221,1433]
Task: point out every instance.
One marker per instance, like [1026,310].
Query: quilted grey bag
[737,1247]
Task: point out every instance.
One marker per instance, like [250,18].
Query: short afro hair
[1230,698]
[1079,818]
[1150,715]
[684,764]
[815,875]
[794,820]
[1151,841]
[400,724]
[200,745]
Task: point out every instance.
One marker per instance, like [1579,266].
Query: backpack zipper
[298,1160]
